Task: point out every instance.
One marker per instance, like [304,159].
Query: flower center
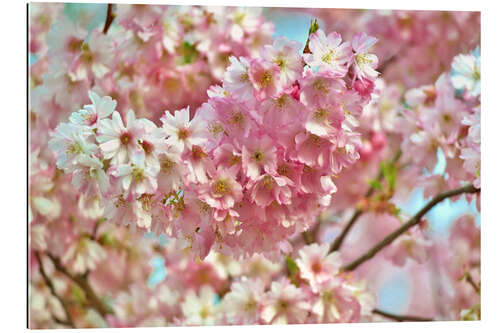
[74,149]
[283,170]
[320,114]
[198,153]
[125,138]
[147,146]
[266,78]
[86,54]
[282,305]
[320,86]
[282,101]
[239,17]
[327,296]
[280,62]
[221,187]
[204,208]
[316,267]
[315,140]
[204,312]
[182,134]
[268,183]
[258,156]
[138,174]
[235,159]
[237,118]
[363,59]
[328,57]
[250,305]
[74,45]
[215,128]
[166,165]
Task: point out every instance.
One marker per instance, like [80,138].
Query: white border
[13,164]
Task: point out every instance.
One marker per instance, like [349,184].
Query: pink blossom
[222,191]
[136,177]
[243,303]
[364,62]
[267,188]
[317,265]
[91,114]
[258,156]
[285,54]
[181,131]
[285,304]
[69,142]
[119,142]
[265,77]
[328,53]
[336,304]
[237,80]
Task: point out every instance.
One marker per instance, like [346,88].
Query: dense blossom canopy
[187,168]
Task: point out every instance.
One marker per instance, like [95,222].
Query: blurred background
[396,289]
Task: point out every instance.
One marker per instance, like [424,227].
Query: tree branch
[312,29]
[400,317]
[412,222]
[110,16]
[82,282]
[340,238]
[50,285]
[468,278]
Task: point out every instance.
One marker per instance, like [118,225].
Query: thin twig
[110,16]
[82,282]
[340,238]
[405,227]
[312,29]
[386,63]
[50,285]
[358,212]
[309,236]
[468,278]
[400,317]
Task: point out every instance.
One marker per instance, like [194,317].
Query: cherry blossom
[188,166]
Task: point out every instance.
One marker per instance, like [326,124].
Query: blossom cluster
[418,45]
[311,291]
[215,166]
[446,116]
[253,166]
[152,58]
[69,58]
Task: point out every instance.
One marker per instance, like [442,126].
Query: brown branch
[309,236]
[340,238]
[468,278]
[405,227]
[386,63]
[358,212]
[82,282]
[110,16]
[400,317]
[50,285]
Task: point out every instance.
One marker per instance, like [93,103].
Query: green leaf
[375,184]
[292,266]
[106,239]
[78,295]
[188,53]
[389,170]
[314,26]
